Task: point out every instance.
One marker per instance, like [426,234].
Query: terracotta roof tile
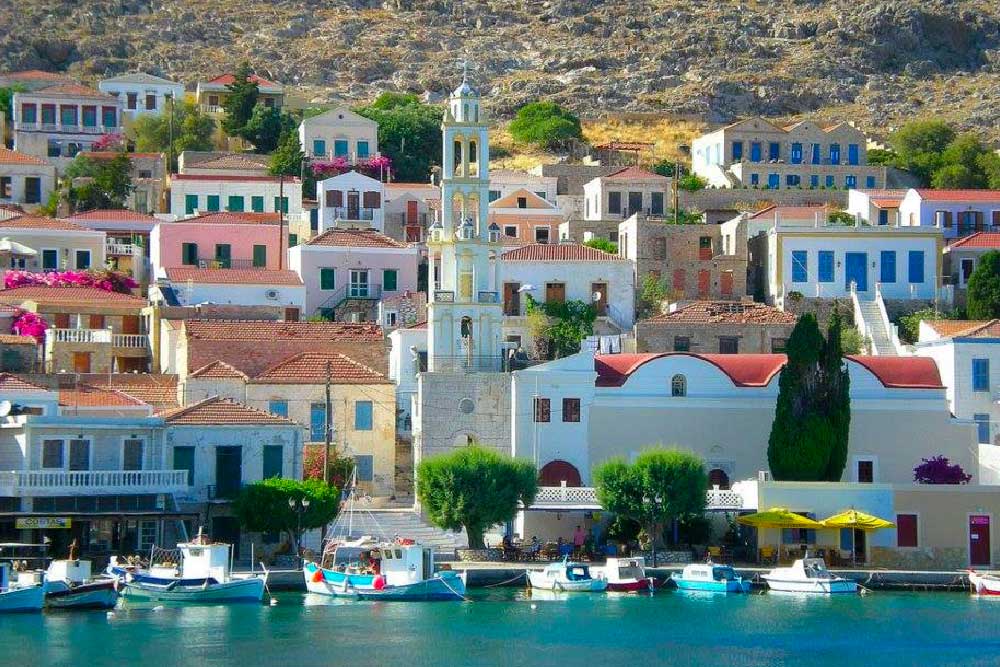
[966,328]
[87,396]
[107,214]
[310,368]
[229,78]
[902,372]
[219,370]
[13,339]
[367,238]
[34,222]
[228,177]
[558,252]
[12,383]
[8,156]
[158,391]
[724,312]
[235,161]
[235,218]
[267,330]
[792,212]
[634,174]
[959,195]
[107,155]
[233,276]
[91,295]
[978,240]
[72,89]
[215,411]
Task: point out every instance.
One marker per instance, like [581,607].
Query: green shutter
[273,460]
[293,240]
[389,280]
[213,203]
[326,278]
[223,255]
[281,204]
[236,204]
[189,254]
[190,204]
[257,204]
[260,256]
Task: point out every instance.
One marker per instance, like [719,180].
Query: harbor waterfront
[508,626]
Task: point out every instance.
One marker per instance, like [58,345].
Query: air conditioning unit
[271,294]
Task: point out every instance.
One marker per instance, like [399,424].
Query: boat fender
[378,583]
[317,576]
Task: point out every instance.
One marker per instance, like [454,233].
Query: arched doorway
[554,473]
[718,477]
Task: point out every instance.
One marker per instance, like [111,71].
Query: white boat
[984,583]
[26,593]
[626,575]
[808,575]
[203,577]
[69,585]
[566,576]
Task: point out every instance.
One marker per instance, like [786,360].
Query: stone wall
[753,338]
[821,308]
[445,420]
[749,199]
[919,558]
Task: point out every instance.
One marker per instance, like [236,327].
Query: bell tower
[464,313]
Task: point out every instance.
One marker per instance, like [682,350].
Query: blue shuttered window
[800,273]
[916,265]
[980,375]
[317,422]
[755,151]
[278,407]
[362,415]
[366,467]
[825,266]
[887,264]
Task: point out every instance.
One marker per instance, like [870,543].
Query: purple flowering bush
[938,470]
[375,167]
[31,324]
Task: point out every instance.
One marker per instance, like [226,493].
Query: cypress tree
[240,102]
[838,398]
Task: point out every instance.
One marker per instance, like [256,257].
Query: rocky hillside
[878,61]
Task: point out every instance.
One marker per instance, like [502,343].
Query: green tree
[7,100]
[664,168]
[192,130]
[662,485]
[409,133]
[692,183]
[989,163]
[983,289]
[474,488]
[652,295]
[263,507]
[909,324]
[288,158]
[545,124]
[240,102]
[809,436]
[919,145]
[882,156]
[602,244]
[568,323]
[99,183]
[266,127]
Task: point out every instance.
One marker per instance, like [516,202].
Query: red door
[411,212]
[726,283]
[979,540]
[702,284]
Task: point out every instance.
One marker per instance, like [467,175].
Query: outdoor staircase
[406,523]
[874,328]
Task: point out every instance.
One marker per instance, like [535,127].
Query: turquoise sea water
[500,627]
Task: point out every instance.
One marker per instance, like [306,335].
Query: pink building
[218,240]
[347,272]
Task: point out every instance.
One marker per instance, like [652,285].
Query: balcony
[225,263]
[444,296]
[102,336]
[86,482]
[122,249]
[55,128]
[132,341]
[212,108]
[350,213]
[585,498]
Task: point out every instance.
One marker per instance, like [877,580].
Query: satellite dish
[5,408]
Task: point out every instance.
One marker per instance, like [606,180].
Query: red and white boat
[984,583]
[628,575]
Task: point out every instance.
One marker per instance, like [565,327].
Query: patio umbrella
[15,248]
[778,517]
[856,520]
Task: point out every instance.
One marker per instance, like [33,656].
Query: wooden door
[130,324]
[511,299]
[979,539]
[411,212]
[81,362]
[555,292]
[97,321]
[61,320]
[703,277]
[599,292]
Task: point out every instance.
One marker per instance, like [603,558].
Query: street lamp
[299,507]
[655,502]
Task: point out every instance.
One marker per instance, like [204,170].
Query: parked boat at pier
[710,577]
[69,585]
[808,575]
[567,576]
[984,583]
[627,575]
[24,593]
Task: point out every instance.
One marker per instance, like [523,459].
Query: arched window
[678,385]
[554,473]
[718,477]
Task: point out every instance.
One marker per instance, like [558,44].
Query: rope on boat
[448,586]
[509,581]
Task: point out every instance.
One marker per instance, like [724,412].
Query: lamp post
[299,507]
[655,503]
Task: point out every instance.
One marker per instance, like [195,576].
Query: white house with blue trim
[339,133]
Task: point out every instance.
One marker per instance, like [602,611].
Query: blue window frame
[278,407]
[834,153]
[362,415]
[825,266]
[773,150]
[773,181]
[363,150]
[737,151]
[980,375]
[883,216]
[319,147]
[916,266]
[850,181]
[754,179]
[982,428]
[814,181]
[887,266]
[869,181]
[317,422]
[755,151]
[817,158]
[853,154]
[365,465]
[793,180]
[273,461]
[796,156]
[830,182]
[340,148]
[800,266]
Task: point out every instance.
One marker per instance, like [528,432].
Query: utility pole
[677,173]
[329,432]
[170,122]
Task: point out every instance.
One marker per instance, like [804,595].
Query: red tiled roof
[886,203]
[267,330]
[235,218]
[310,368]
[158,391]
[959,195]
[215,411]
[12,383]
[86,396]
[8,156]
[72,89]
[229,78]
[14,339]
[978,240]
[902,372]
[558,252]
[34,222]
[724,312]
[227,177]
[885,193]
[966,328]
[367,238]
[219,370]
[113,214]
[235,161]
[233,276]
[633,174]
[793,212]
[417,325]
[89,295]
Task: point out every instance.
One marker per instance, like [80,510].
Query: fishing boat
[567,576]
[808,575]
[203,576]
[710,577]
[25,593]
[984,583]
[69,585]
[627,575]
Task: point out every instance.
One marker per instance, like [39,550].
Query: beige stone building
[339,133]
[59,245]
[724,327]
[26,180]
[625,192]
[212,94]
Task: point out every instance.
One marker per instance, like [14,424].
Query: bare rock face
[882,60]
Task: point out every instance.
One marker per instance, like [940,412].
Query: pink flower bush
[109,281]
[375,167]
[109,142]
[31,324]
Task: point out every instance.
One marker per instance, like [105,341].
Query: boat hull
[436,589]
[632,586]
[94,595]
[239,590]
[22,600]
[540,581]
[729,586]
[814,586]
[986,585]
[332,582]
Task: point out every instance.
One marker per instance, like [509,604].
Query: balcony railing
[444,296]
[122,249]
[80,482]
[225,263]
[351,213]
[79,335]
[137,341]
[585,497]
[212,108]
[59,127]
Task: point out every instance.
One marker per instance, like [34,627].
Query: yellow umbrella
[778,517]
[858,520]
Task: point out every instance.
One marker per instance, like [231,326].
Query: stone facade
[666,334]
[402,310]
[454,409]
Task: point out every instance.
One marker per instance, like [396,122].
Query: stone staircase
[406,523]
[880,339]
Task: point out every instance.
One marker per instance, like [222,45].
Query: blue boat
[710,578]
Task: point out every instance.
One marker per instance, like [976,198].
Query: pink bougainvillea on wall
[109,281]
[379,166]
[31,324]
